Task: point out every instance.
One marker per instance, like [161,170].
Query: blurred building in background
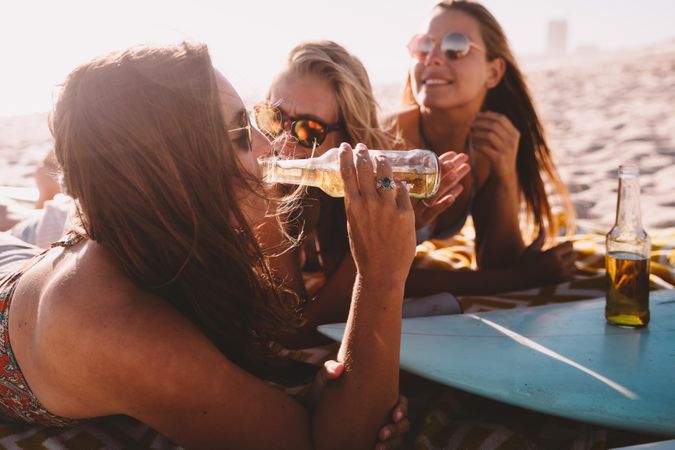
[556,44]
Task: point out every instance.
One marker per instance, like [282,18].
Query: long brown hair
[511,97]
[141,138]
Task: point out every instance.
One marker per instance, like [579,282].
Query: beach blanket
[457,252]
[446,420]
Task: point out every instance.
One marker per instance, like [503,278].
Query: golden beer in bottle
[627,258]
[419,169]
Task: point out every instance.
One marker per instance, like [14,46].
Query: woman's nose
[435,57]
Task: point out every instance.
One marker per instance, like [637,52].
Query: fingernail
[386,434]
[333,365]
[398,415]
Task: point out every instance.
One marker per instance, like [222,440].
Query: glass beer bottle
[419,169]
[627,258]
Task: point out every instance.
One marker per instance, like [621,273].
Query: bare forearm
[498,238]
[423,282]
[331,303]
[361,399]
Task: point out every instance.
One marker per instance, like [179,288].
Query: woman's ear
[496,69]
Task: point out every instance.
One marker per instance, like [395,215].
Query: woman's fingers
[500,122]
[490,137]
[385,179]
[330,370]
[402,196]
[448,157]
[401,409]
[452,172]
[436,208]
[381,233]
[348,172]
[391,436]
[365,171]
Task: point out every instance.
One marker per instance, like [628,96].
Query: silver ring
[384,184]
[424,202]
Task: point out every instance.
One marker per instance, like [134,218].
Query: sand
[599,112]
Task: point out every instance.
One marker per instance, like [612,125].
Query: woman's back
[71,306]
[81,332]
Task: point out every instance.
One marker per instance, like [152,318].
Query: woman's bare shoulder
[403,124]
[92,324]
[112,348]
[401,119]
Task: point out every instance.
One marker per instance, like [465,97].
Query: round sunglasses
[453,46]
[309,131]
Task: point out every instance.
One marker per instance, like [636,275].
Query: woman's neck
[445,129]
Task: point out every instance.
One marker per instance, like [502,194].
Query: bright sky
[43,41]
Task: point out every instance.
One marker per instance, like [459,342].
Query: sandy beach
[599,112]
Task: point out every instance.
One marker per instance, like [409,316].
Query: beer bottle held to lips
[419,169]
[627,258]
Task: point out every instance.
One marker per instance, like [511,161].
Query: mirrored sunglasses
[308,131]
[453,46]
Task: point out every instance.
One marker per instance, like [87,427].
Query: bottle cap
[629,171]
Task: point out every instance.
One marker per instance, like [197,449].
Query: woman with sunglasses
[322,97]
[465,92]
[161,304]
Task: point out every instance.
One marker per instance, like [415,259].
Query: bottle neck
[628,215]
[297,171]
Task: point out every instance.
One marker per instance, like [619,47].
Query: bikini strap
[71,238]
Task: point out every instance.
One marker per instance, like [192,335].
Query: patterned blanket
[458,253]
[453,253]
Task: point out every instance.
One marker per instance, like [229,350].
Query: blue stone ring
[384,184]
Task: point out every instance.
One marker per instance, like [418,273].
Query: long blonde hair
[350,83]
[357,111]
[512,98]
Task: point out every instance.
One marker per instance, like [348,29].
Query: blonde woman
[321,98]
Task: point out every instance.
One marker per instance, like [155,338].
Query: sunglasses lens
[268,120]
[455,45]
[308,132]
[420,46]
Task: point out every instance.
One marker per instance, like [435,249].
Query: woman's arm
[499,242]
[331,303]
[138,356]
[534,269]
[381,231]
[496,208]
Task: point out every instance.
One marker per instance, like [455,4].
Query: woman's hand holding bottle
[379,216]
[453,168]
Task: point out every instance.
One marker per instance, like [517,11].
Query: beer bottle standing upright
[627,257]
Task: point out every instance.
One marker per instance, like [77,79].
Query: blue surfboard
[558,359]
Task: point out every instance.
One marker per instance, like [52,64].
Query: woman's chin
[436,102]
